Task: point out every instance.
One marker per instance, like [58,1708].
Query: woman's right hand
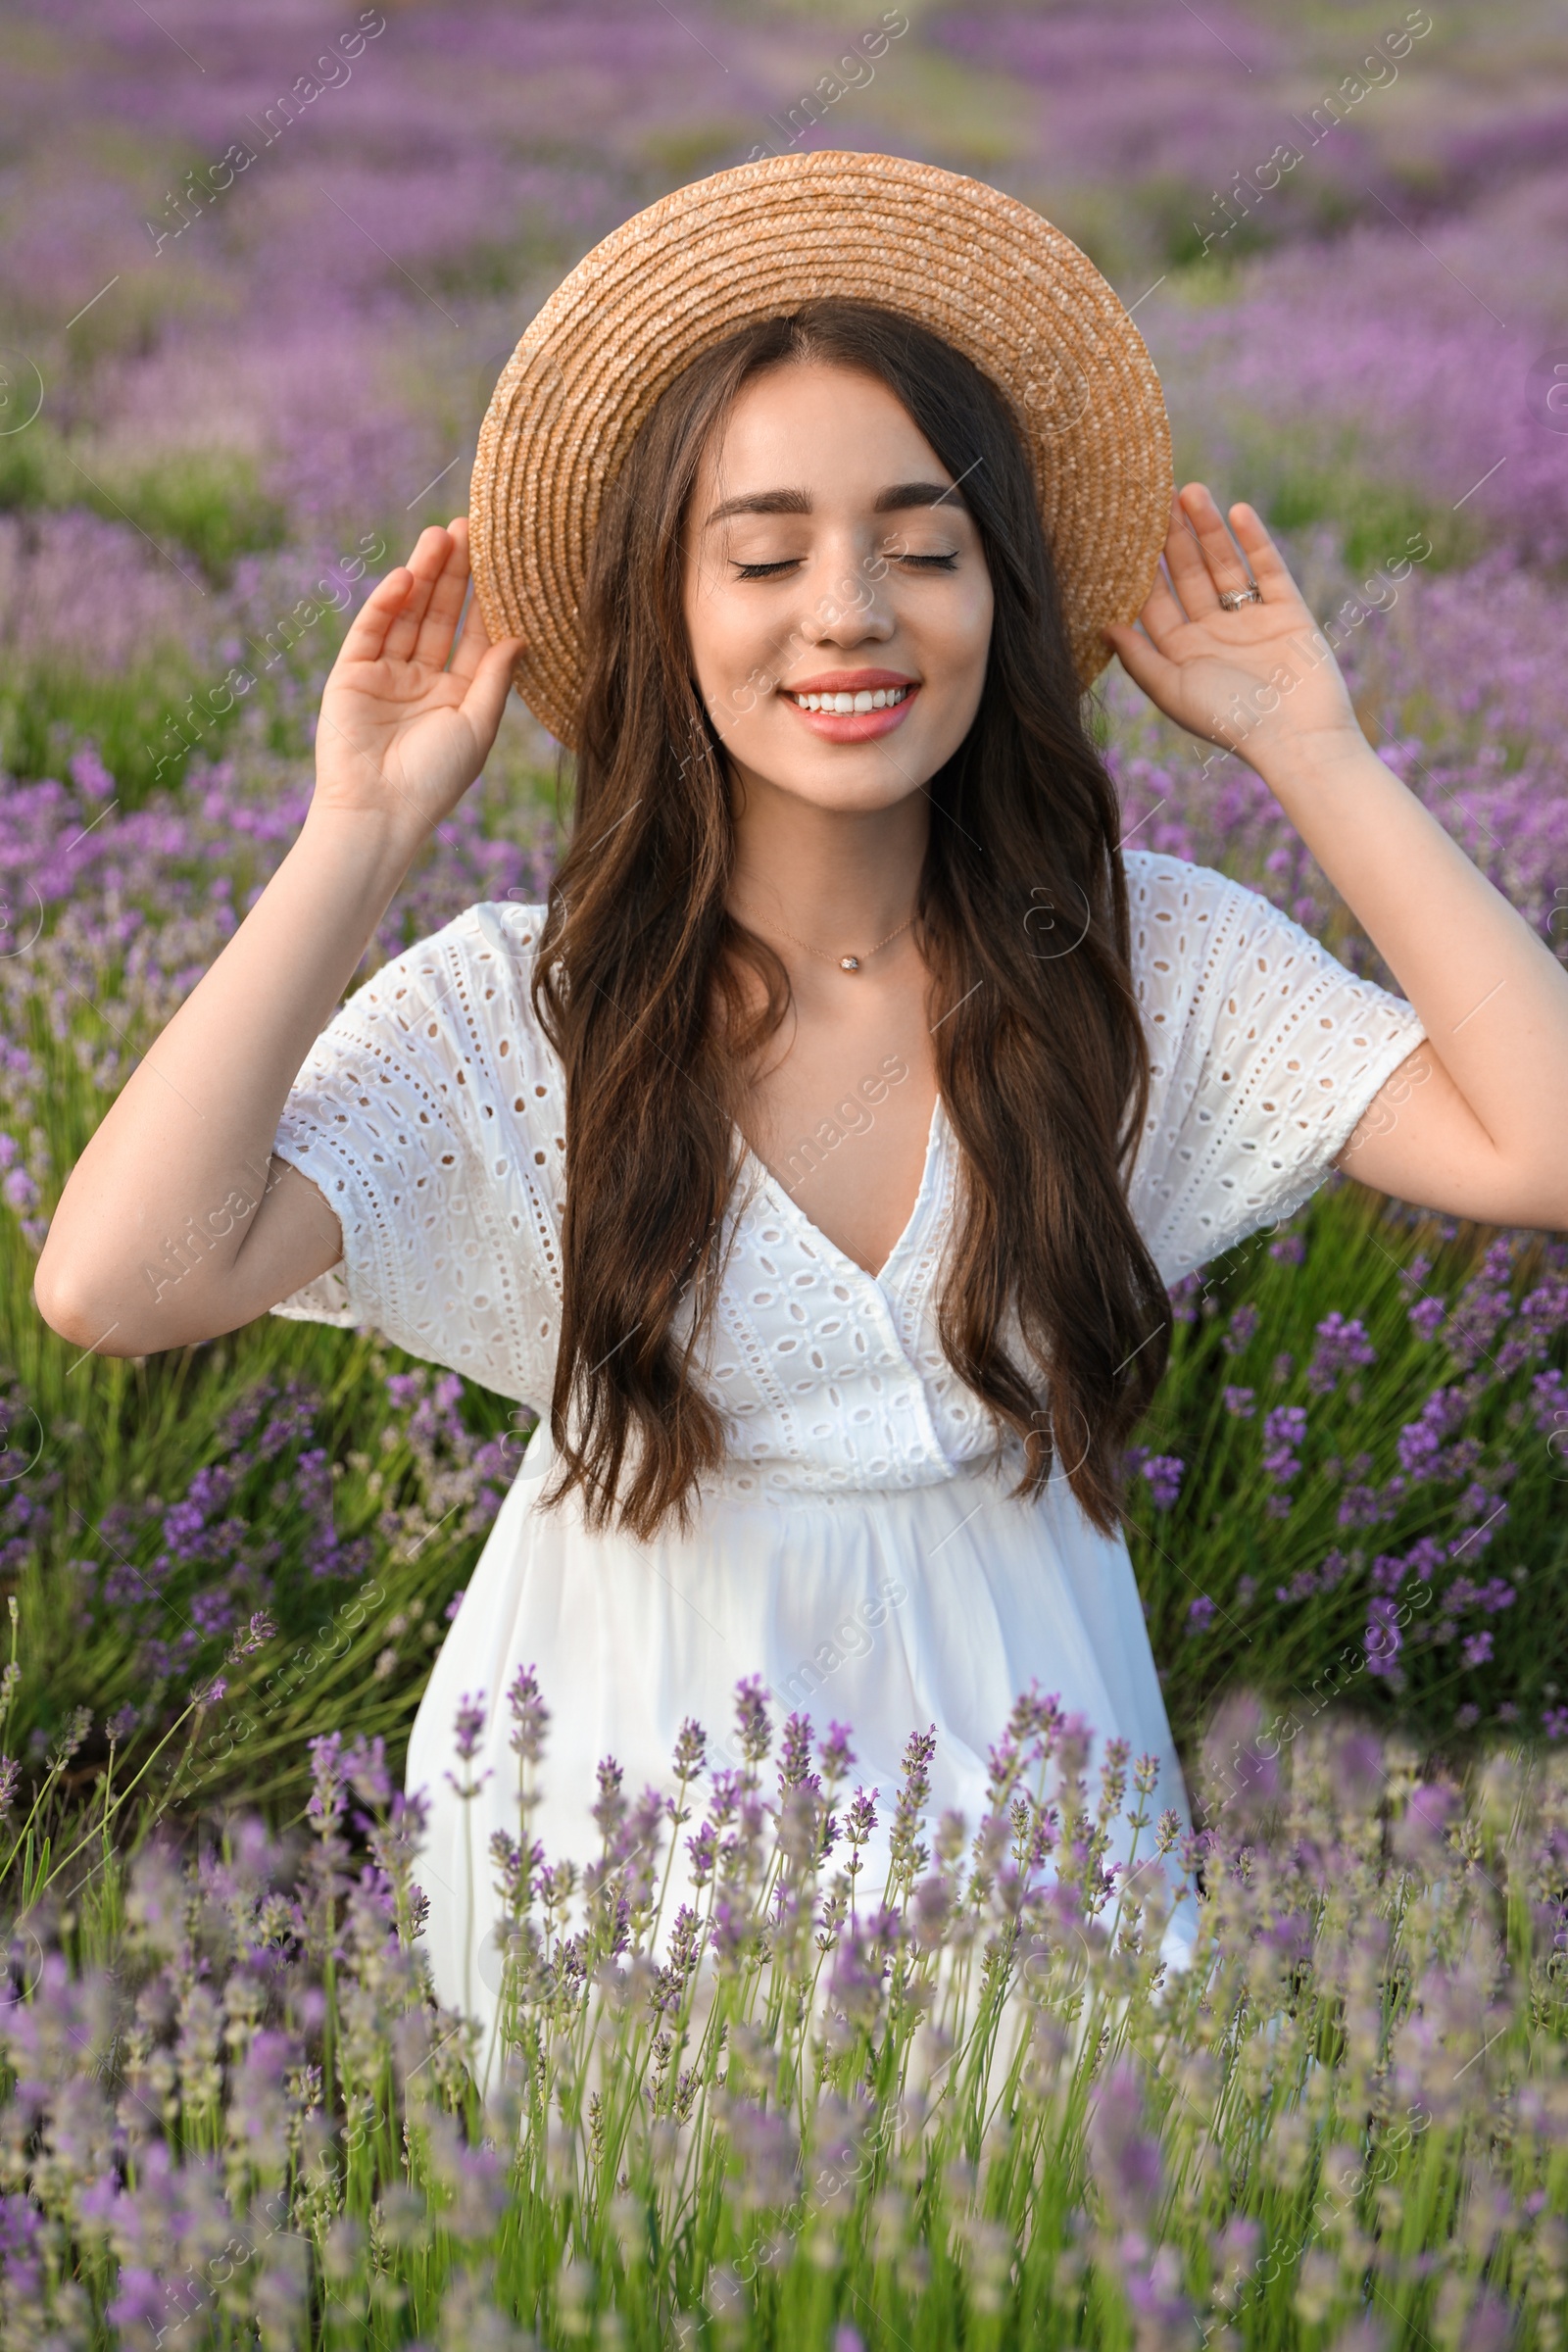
[400,734]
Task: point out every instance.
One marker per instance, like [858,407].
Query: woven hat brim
[980,268]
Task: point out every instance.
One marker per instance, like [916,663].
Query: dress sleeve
[430,1115]
[1265,1049]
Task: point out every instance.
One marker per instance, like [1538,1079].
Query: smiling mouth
[880,698]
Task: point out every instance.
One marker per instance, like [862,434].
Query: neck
[839,878]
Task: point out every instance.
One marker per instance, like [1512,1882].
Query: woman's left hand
[1256,679]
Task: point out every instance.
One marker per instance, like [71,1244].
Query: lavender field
[261,266]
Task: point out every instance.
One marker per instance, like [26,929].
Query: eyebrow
[895,500]
[917,494]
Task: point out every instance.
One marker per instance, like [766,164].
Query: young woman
[816,1163]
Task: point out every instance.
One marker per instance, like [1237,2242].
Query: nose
[849,613]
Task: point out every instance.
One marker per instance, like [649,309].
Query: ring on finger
[1231,599]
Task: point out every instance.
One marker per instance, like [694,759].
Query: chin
[857,789]
[859,777]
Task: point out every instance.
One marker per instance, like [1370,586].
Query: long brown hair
[1041,1055]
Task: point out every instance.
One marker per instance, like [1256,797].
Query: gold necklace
[849,963]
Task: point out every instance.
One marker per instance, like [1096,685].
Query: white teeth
[883,698]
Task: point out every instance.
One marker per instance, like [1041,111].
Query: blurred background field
[231,387]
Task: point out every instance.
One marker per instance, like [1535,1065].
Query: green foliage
[1350,1504]
[1295,484]
[206,503]
[50,707]
[209,502]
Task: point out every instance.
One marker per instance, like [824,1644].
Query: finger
[1189,572]
[1144,663]
[1269,568]
[486,697]
[1222,560]
[426,564]
[473,644]
[366,633]
[439,626]
[1162,615]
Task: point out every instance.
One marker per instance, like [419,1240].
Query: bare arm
[179,1178]
[1475,1121]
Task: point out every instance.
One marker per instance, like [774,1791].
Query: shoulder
[1163,892]
[1191,924]
[483,957]
[452,1014]
[492,930]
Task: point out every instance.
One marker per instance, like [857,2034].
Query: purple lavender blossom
[753,1731]
[1427,1317]
[1128,2169]
[1165,1472]
[1341,1346]
[530,1717]
[468,1726]
[1284,1435]
[1239,1332]
[1383,1640]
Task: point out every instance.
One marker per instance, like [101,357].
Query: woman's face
[824,561]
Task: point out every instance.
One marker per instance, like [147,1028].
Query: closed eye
[769,571]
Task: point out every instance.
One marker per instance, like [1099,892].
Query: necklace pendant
[849,963]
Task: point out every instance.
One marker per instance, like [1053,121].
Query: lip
[850,681]
[851,726]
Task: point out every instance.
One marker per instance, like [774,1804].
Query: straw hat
[980,268]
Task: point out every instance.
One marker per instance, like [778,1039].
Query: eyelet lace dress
[860,1553]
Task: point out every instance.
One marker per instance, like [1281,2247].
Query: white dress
[856,1554]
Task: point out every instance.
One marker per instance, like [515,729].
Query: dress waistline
[794,1487]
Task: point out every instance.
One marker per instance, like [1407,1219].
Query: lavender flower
[1164,1473]
[794,1752]
[1427,1315]
[467,1729]
[1383,1640]
[1284,1435]
[1240,1329]
[530,1717]
[860,1818]
[835,1756]
[752,1729]
[1341,1345]
[1126,2156]
[610,1805]
[690,1750]
[363,1764]
[325,1808]
[252,1638]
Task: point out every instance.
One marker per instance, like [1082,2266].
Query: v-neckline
[792,1208]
